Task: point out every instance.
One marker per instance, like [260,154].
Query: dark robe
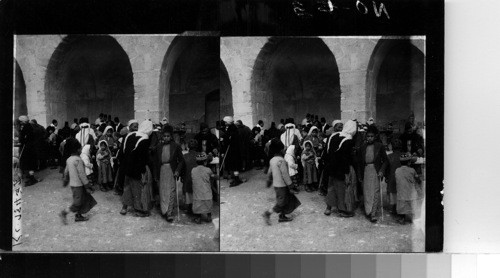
[380,160]
[211,142]
[245,137]
[176,158]
[28,158]
[187,166]
[232,161]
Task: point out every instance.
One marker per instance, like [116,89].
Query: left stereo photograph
[115,145]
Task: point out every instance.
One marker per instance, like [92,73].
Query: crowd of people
[142,162]
[345,162]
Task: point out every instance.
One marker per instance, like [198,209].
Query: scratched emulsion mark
[16,206]
[332,7]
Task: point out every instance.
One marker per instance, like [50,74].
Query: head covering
[288,135]
[124,131]
[348,131]
[132,121]
[370,121]
[201,157]
[164,120]
[145,130]
[336,122]
[97,121]
[24,119]
[108,128]
[73,126]
[311,130]
[83,135]
[107,146]
[312,147]
[86,150]
[228,119]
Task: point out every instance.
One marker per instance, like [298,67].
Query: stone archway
[292,77]
[20,107]
[226,93]
[396,82]
[86,76]
[189,72]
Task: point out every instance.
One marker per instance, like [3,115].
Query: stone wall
[358,62]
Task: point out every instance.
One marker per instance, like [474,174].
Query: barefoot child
[279,178]
[406,183]
[75,177]
[202,190]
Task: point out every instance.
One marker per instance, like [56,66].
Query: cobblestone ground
[106,229]
[243,228]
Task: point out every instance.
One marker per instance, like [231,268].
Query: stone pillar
[33,54]
[146,55]
[239,56]
[353,56]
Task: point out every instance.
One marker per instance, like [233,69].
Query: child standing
[202,190]
[279,178]
[407,195]
[309,162]
[292,168]
[86,158]
[105,173]
[74,176]
[393,156]
[187,181]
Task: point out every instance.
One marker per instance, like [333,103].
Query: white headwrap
[311,130]
[164,120]
[333,134]
[83,135]
[348,131]
[287,136]
[145,130]
[336,122]
[24,119]
[107,128]
[228,119]
[132,121]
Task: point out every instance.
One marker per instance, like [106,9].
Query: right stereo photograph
[323,143]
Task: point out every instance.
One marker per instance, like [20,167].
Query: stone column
[239,56]
[33,54]
[146,55]
[353,56]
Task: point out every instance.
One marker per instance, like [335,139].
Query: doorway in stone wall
[295,76]
[396,82]
[189,74]
[20,107]
[86,76]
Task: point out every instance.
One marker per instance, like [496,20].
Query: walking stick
[224,159]
[381,199]
[177,197]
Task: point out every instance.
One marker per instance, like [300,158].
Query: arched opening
[86,76]
[292,77]
[396,83]
[189,82]
[20,107]
[226,93]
